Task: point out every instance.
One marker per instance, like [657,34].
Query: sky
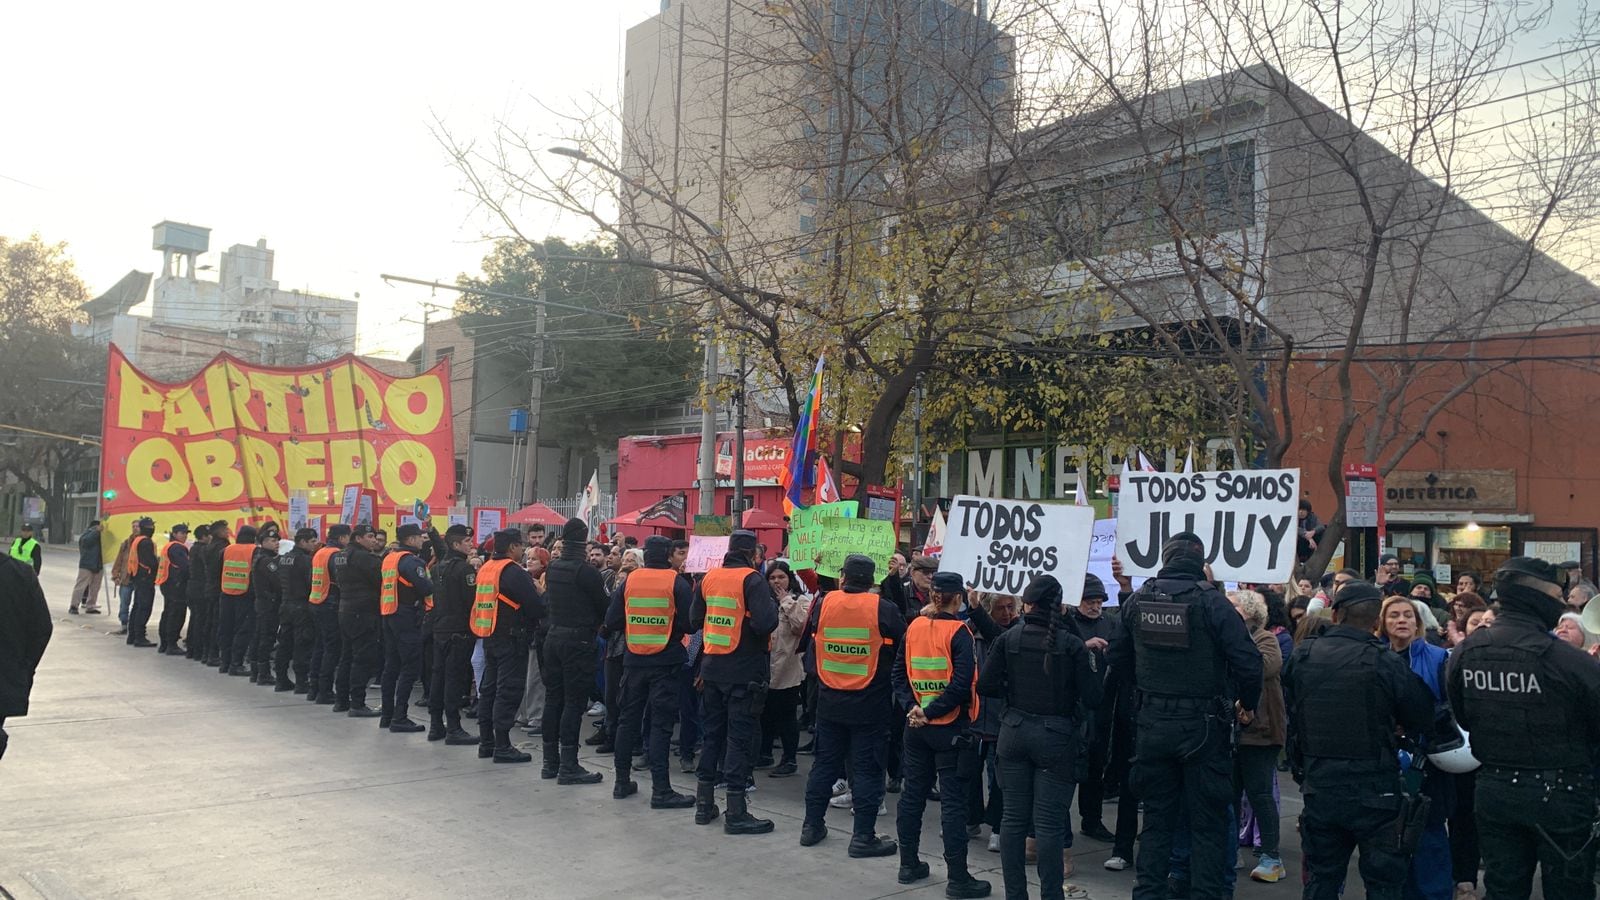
[307,124]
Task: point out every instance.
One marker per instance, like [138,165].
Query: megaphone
[1590,620]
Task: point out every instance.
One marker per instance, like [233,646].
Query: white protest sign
[489,519]
[705,552]
[299,512]
[347,508]
[1101,552]
[1244,519]
[1001,545]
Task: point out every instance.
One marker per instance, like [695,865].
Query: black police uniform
[935,751]
[1040,733]
[576,595]
[295,637]
[653,680]
[236,616]
[330,664]
[505,661]
[1190,657]
[360,577]
[267,580]
[215,638]
[144,589]
[1532,705]
[1346,693]
[174,596]
[454,583]
[202,614]
[402,645]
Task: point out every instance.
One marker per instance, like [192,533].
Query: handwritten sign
[1002,545]
[706,552]
[367,510]
[299,512]
[352,499]
[842,536]
[1101,552]
[1245,520]
[805,530]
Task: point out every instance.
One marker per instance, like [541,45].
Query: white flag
[934,545]
[590,498]
[1082,498]
[1188,461]
[1145,464]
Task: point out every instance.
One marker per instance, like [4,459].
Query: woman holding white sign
[1043,674]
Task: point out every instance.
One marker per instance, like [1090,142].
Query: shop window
[1480,548]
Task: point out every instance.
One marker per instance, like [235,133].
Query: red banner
[237,440]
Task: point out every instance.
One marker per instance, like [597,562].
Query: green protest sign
[842,537]
[805,530]
[713,526]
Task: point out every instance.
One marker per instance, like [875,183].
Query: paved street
[139,776]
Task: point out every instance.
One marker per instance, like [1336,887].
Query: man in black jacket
[24,632]
[294,615]
[1097,631]
[202,622]
[172,576]
[649,617]
[268,586]
[330,660]
[142,567]
[360,577]
[214,637]
[454,583]
[511,604]
[91,568]
[1347,694]
[576,596]
[405,589]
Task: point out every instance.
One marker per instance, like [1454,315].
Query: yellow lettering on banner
[140,471]
[398,398]
[239,390]
[136,398]
[370,401]
[344,401]
[274,389]
[351,461]
[261,469]
[394,460]
[314,400]
[305,467]
[185,414]
[218,394]
[212,465]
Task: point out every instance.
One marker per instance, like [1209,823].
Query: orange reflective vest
[236,560]
[929,664]
[133,555]
[389,590]
[487,598]
[847,641]
[164,567]
[723,590]
[321,579]
[650,610]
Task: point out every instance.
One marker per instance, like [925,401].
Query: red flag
[827,490]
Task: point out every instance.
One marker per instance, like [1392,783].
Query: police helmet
[1454,756]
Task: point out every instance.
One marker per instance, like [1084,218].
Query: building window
[443,352]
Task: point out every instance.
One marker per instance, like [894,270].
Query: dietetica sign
[1002,545]
[1245,520]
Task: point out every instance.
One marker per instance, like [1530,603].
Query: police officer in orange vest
[406,588]
[267,582]
[734,608]
[504,605]
[650,615]
[850,644]
[142,565]
[236,611]
[326,658]
[294,616]
[455,583]
[360,579]
[172,576]
[934,678]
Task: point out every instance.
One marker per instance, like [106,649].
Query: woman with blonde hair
[1401,624]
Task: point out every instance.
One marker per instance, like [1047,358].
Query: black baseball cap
[180,528]
[457,532]
[1357,592]
[362,530]
[949,583]
[408,530]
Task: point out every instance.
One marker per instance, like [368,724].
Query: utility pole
[738,446]
[708,431]
[530,465]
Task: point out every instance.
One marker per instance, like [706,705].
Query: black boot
[705,803]
[385,717]
[552,759]
[362,711]
[624,787]
[282,685]
[301,687]
[959,883]
[456,737]
[504,752]
[572,773]
[812,833]
[239,671]
[662,796]
[868,845]
[911,868]
[402,724]
[436,730]
[739,820]
[340,705]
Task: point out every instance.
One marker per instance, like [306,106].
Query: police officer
[404,590]
[1191,660]
[1097,631]
[236,612]
[934,678]
[202,617]
[142,565]
[360,578]
[649,615]
[454,584]
[172,577]
[1532,705]
[25,549]
[327,660]
[215,548]
[268,585]
[577,600]
[1346,693]
[505,601]
[294,615]
[735,610]
[849,642]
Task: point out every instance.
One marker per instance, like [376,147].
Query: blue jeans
[865,747]
[1431,877]
[125,603]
